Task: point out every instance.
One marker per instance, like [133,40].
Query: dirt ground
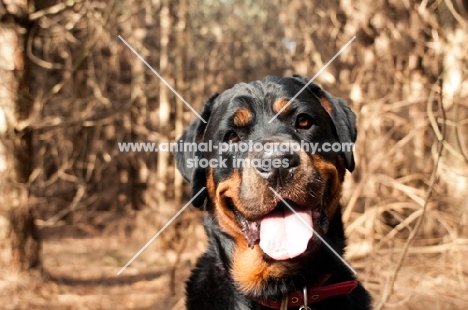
[80,266]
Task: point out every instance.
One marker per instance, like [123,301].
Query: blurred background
[74,209]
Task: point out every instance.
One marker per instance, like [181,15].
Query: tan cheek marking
[242,117]
[329,172]
[280,104]
[227,188]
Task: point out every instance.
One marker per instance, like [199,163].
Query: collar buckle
[305,306]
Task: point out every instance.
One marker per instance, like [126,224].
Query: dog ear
[343,118]
[195,175]
[345,124]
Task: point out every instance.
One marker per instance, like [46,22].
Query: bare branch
[53,9]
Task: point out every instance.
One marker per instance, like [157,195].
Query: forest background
[74,209]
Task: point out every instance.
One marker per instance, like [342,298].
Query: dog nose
[276,167]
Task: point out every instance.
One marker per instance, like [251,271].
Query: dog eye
[303,121]
[231,136]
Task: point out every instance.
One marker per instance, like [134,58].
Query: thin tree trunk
[164,106]
[181,59]
[139,169]
[455,158]
[22,237]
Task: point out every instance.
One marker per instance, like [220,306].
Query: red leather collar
[314,294]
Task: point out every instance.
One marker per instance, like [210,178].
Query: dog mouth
[282,233]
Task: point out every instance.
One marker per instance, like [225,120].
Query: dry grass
[408,230]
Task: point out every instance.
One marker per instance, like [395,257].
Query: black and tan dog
[261,254]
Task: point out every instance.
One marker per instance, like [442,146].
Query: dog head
[272,156]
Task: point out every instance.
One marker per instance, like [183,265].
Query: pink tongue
[283,235]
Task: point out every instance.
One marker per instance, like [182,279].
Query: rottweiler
[267,163]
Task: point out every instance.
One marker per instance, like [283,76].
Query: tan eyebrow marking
[279,104]
[242,117]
